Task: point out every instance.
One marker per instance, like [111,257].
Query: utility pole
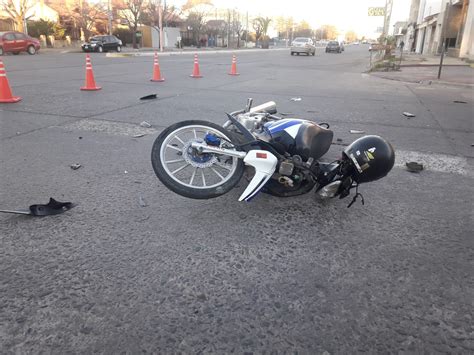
[109,15]
[443,36]
[247,30]
[160,24]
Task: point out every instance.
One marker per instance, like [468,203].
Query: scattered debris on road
[339,139]
[355,131]
[414,167]
[296,99]
[139,135]
[80,137]
[51,208]
[149,97]
[460,102]
[408,114]
[125,172]
[145,124]
[142,202]
[75,166]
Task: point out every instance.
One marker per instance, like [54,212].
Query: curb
[433,65]
[428,82]
[162,54]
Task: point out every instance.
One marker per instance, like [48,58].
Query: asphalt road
[293,275]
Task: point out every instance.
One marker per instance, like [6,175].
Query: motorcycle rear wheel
[189,173]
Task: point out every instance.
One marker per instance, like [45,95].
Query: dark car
[334,46]
[102,44]
[16,42]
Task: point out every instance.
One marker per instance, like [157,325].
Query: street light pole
[443,37]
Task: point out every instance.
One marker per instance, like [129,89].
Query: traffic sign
[376,11]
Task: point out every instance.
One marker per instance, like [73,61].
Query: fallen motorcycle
[202,160]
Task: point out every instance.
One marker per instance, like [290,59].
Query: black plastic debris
[149,97]
[414,167]
[408,114]
[75,166]
[460,102]
[51,208]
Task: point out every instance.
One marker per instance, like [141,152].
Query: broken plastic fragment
[145,124]
[295,99]
[414,167]
[51,208]
[149,97]
[354,131]
[75,166]
[460,102]
[139,135]
[142,202]
[408,114]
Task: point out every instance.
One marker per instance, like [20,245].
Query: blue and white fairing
[298,137]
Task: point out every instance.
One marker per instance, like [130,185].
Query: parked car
[333,46]
[302,45]
[16,42]
[102,44]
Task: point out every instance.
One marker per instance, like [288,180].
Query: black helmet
[372,157]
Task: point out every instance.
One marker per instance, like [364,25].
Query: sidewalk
[416,60]
[456,75]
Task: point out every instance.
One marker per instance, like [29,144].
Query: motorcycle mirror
[249,104]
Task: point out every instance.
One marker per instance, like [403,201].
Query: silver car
[303,45]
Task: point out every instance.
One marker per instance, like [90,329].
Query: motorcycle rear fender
[265,164]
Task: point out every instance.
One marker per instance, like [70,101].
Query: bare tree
[86,15]
[151,14]
[257,27]
[17,10]
[237,26]
[260,25]
[196,23]
[132,14]
[196,20]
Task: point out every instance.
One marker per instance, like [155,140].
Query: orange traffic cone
[5,91]
[156,70]
[90,82]
[233,68]
[196,73]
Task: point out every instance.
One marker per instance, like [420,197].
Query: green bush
[46,28]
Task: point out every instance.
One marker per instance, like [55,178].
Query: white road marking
[435,162]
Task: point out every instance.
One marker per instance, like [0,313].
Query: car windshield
[333,43]
[301,40]
[96,39]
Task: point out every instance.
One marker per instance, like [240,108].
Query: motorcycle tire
[167,177]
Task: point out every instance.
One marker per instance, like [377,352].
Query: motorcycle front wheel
[189,173]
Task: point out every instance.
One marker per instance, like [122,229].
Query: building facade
[451,20]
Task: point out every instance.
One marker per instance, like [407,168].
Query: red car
[16,42]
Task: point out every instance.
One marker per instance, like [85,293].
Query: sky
[344,14]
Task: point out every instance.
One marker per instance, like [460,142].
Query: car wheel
[100,49]
[314,53]
[297,53]
[31,50]
[1,51]
[119,49]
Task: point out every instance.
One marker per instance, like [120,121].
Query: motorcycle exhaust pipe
[268,107]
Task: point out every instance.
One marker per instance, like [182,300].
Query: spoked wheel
[190,173]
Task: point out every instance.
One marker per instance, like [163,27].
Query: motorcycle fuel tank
[298,137]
